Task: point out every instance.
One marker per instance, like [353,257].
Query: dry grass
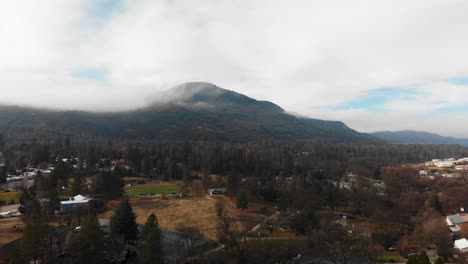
[7,232]
[196,211]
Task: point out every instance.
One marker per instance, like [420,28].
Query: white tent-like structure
[462,245]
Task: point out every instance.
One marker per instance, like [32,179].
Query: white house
[462,245]
[73,202]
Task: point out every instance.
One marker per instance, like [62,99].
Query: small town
[233,132]
[252,217]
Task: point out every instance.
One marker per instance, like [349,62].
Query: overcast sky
[376,65]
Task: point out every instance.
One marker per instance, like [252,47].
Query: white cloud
[306,56]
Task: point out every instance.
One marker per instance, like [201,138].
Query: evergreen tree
[439,261]
[310,217]
[123,222]
[413,259]
[3,175]
[108,184]
[34,232]
[242,201]
[77,184]
[423,258]
[151,244]
[90,240]
[2,143]
[233,183]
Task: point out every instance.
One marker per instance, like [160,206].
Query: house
[445,164]
[461,168]
[462,245]
[458,224]
[215,191]
[74,202]
[455,219]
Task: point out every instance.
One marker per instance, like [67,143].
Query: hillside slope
[410,136]
[192,111]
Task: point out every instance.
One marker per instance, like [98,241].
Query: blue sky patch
[374,99]
[459,80]
[90,74]
[454,109]
[101,11]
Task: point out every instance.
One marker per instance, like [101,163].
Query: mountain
[410,136]
[192,111]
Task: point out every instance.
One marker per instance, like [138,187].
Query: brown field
[7,232]
[195,211]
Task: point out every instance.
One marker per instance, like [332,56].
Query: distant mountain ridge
[411,136]
[191,111]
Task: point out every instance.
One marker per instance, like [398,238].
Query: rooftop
[458,218]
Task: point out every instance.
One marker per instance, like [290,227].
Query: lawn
[8,196]
[151,189]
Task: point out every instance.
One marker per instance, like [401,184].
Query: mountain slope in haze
[192,111]
[410,136]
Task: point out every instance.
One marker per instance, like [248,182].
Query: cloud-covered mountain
[411,136]
[192,111]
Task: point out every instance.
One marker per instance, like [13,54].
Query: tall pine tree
[123,222]
[90,240]
[151,242]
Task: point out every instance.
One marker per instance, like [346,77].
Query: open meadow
[151,189]
[9,196]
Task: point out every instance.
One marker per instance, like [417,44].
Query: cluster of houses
[445,168]
[458,225]
[30,174]
[447,163]
[350,180]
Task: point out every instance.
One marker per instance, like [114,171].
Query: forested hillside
[193,111]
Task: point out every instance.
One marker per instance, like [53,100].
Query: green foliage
[108,184]
[423,258]
[123,222]
[90,240]
[233,183]
[242,201]
[146,189]
[77,184]
[3,175]
[150,247]
[33,235]
[439,261]
[413,259]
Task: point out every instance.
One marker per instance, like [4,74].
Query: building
[457,219]
[458,224]
[461,168]
[215,191]
[462,245]
[74,202]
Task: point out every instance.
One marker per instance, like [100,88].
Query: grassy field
[198,212]
[8,196]
[151,189]
[195,211]
[7,232]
